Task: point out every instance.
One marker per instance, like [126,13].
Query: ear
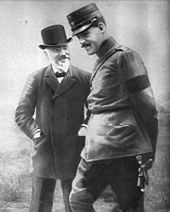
[45,52]
[101,26]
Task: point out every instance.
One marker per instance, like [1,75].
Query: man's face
[91,40]
[58,55]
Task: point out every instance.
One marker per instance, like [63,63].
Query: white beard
[64,66]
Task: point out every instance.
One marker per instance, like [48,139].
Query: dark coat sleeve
[87,85]
[140,92]
[26,107]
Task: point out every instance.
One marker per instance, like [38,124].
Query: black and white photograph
[85,106]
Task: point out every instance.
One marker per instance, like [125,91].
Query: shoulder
[126,51]
[126,55]
[130,63]
[39,73]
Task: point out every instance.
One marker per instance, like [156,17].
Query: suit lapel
[68,81]
[51,79]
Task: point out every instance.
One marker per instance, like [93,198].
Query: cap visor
[81,29]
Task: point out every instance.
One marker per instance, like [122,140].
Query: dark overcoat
[59,112]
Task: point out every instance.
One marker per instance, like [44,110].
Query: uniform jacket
[59,112]
[123,118]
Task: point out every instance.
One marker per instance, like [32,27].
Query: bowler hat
[83,18]
[53,36]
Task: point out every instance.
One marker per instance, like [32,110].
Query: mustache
[64,57]
[84,45]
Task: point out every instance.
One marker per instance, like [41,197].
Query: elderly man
[57,94]
[122,129]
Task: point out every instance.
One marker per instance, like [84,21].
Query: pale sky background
[141,25]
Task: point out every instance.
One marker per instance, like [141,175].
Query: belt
[109,110]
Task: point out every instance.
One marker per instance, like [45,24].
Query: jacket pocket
[120,118]
[122,129]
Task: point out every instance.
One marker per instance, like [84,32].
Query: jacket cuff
[84,125]
[37,131]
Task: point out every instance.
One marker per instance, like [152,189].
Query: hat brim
[43,46]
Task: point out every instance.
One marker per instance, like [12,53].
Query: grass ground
[15,180]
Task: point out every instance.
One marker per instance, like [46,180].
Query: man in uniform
[122,130]
[57,94]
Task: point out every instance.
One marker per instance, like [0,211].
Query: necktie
[60,74]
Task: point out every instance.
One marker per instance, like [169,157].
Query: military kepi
[53,36]
[83,18]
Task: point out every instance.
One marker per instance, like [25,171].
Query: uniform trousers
[93,177]
[43,193]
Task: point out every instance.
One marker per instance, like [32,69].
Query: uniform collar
[106,46]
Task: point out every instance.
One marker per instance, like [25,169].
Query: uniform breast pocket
[121,128]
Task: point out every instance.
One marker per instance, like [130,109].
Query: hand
[82,131]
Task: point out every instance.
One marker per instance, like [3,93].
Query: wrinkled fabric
[124,115]
[92,178]
[59,112]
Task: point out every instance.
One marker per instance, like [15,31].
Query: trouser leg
[123,179]
[66,189]
[42,194]
[86,187]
